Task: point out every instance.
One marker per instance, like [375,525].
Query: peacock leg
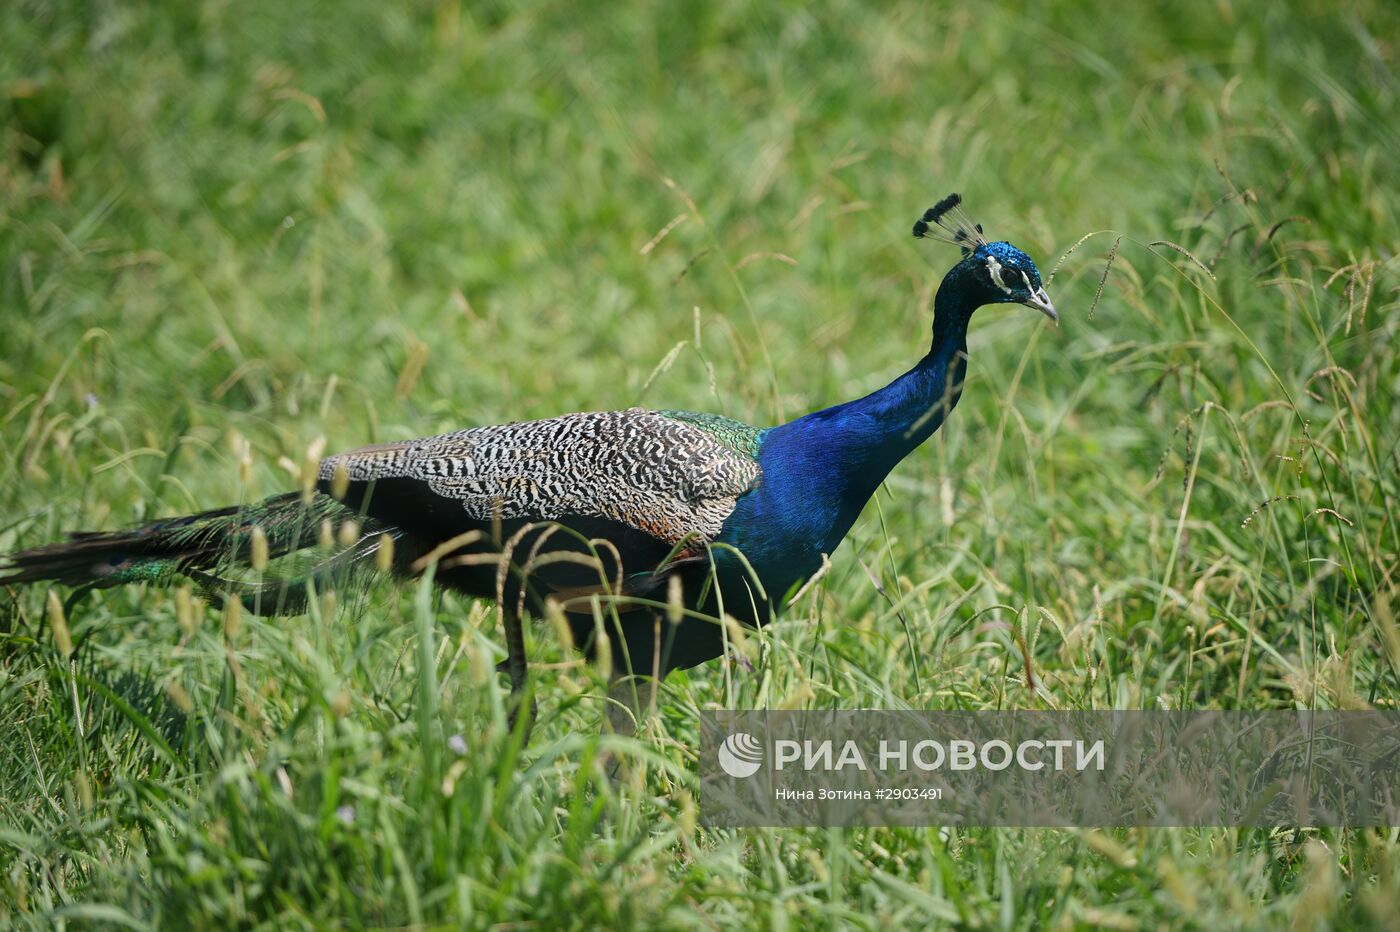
[627,699]
[630,699]
[517,667]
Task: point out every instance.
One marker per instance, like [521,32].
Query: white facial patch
[994,270]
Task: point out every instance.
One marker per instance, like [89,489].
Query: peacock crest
[948,223]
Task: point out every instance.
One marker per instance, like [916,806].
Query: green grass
[230,230]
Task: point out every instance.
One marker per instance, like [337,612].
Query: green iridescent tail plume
[290,595]
[199,547]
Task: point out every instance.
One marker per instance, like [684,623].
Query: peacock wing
[653,485]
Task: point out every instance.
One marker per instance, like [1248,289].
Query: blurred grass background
[229,232]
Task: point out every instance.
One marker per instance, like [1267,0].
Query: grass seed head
[59,625]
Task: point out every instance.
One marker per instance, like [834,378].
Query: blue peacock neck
[821,469]
[875,432]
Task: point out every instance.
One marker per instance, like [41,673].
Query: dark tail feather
[161,550]
[289,595]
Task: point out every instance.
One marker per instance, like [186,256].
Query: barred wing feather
[669,477]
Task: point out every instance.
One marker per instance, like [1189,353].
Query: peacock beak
[1041,302]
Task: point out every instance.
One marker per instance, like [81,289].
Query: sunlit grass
[228,231]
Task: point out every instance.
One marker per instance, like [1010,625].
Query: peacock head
[997,273]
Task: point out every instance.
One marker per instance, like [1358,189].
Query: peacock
[640,528]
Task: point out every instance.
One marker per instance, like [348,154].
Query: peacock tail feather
[197,546]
